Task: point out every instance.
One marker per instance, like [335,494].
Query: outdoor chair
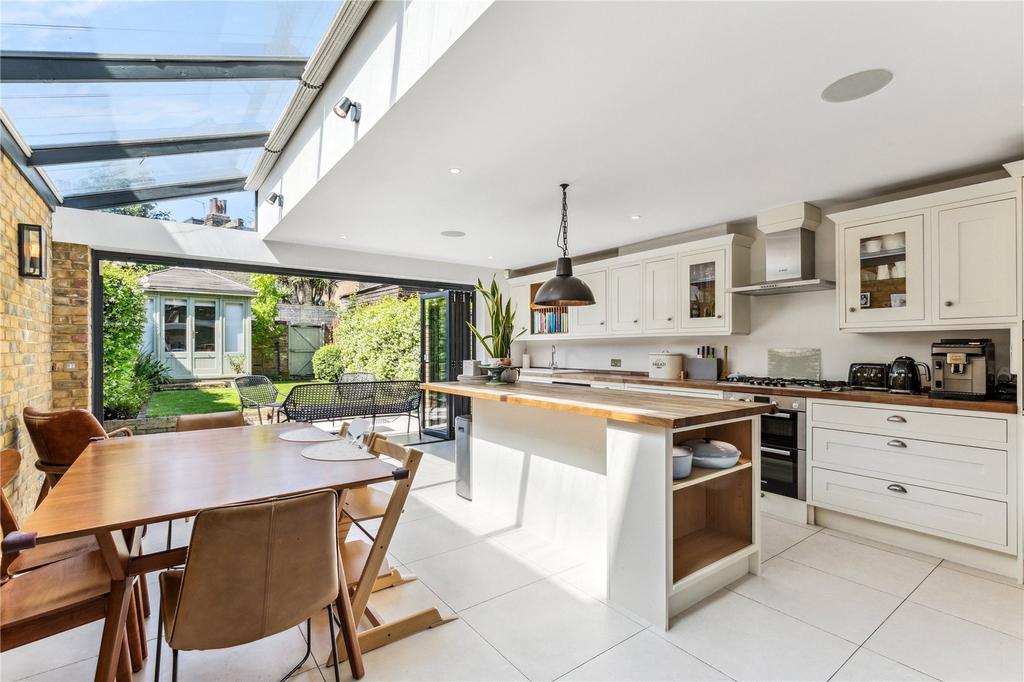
[256,391]
[350,377]
[280,559]
[59,438]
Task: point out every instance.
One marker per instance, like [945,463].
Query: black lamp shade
[563,289]
[31,251]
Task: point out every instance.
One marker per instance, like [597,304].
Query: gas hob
[783,382]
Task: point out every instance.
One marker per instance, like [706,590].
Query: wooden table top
[654,409]
[129,482]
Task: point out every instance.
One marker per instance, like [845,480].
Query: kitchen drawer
[959,517]
[930,425]
[933,464]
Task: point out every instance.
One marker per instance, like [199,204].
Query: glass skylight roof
[128,111]
[62,113]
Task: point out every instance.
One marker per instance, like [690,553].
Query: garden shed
[197,322]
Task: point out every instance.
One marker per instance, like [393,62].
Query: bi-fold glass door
[445,342]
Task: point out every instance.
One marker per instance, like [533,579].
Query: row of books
[550,322]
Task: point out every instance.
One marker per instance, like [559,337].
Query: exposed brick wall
[71,326]
[25,331]
[274,363]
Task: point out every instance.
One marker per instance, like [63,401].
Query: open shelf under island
[590,471]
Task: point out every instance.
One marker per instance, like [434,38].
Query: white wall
[145,236]
[799,320]
[395,45]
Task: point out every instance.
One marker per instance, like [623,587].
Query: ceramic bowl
[713,454]
[891,242]
[871,246]
[682,461]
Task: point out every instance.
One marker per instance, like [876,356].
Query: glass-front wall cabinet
[884,271]
[703,295]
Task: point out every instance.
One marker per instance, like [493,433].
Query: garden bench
[345,400]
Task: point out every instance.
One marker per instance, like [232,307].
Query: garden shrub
[151,371]
[382,337]
[124,317]
[265,331]
[328,363]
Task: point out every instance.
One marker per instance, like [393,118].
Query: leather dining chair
[60,437]
[252,571]
[213,420]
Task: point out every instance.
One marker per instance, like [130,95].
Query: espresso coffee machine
[963,369]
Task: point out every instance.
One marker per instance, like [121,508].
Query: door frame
[457,348]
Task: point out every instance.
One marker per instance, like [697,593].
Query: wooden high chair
[366,565]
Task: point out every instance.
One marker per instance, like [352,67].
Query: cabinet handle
[896,488]
[669,319]
[602,321]
[635,321]
[948,304]
[853,309]
[718,316]
[896,419]
[896,444]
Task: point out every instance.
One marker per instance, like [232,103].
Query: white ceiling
[688,114]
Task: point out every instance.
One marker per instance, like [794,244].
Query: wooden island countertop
[667,411]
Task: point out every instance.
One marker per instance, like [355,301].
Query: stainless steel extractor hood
[788,252]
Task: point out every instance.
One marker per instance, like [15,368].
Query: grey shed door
[302,343]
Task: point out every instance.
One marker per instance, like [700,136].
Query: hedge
[382,337]
[124,318]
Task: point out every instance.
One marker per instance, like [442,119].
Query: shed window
[175,326]
[234,329]
[206,326]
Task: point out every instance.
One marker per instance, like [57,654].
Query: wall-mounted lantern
[31,251]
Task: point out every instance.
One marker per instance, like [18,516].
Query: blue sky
[55,113]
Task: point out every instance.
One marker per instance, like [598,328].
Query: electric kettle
[904,376]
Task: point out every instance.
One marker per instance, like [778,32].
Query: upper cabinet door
[703,281]
[884,265]
[519,295]
[660,294]
[592,319]
[626,298]
[977,270]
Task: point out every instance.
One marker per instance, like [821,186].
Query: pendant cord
[562,240]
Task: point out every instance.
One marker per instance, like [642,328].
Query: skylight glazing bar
[67,67]
[125,197]
[104,151]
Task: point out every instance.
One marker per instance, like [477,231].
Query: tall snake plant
[498,343]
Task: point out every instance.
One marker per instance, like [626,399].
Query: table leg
[113,630]
[124,668]
[134,636]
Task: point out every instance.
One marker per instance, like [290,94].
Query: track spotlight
[346,108]
[275,198]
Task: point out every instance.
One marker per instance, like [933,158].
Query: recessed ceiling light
[454,171]
[857,85]
[634,217]
[453,233]
[343,237]
[490,258]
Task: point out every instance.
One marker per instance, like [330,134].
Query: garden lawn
[201,400]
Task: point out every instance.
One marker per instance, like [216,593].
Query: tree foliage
[312,290]
[382,337]
[124,317]
[146,210]
[265,330]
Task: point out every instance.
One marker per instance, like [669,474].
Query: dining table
[117,486]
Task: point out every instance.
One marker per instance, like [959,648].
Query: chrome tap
[553,364]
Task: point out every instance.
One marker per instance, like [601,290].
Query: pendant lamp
[563,289]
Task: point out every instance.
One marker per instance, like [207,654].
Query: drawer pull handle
[896,444]
[896,419]
[896,488]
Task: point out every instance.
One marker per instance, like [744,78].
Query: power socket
[616,362]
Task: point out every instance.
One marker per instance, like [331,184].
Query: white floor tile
[590,578]
[870,542]
[443,500]
[981,601]
[877,568]
[53,652]
[452,651]
[644,656]
[867,665]
[467,576]
[749,641]
[833,604]
[428,537]
[548,628]
[947,647]
[546,555]
[778,536]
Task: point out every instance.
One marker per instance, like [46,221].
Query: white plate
[308,434]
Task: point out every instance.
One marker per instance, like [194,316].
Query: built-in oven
[783,444]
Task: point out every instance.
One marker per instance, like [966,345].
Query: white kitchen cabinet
[592,319]
[942,261]
[626,298]
[884,266]
[977,261]
[660,294]
[703,279]
[519,295]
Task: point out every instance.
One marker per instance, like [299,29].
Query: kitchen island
[587,473]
